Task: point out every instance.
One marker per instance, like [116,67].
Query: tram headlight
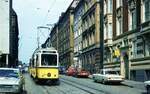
[49,74]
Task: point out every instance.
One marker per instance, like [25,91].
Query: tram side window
[49,60]
[37,58]
[32,62]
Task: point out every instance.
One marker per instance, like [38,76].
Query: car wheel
[103,81]
[95,80]
[148,90]
[21,91]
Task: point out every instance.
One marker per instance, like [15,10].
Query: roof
[48,49]
[52,49]
[9,69]
[109,69]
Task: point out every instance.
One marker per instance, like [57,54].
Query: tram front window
[48,60]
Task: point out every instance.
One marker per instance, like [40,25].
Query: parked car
[71,71]
[107,75]
[11,80]
[147,85]
[83,73]
[62,70]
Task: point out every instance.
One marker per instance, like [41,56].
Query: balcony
[107,18]
[145,28]
[107,42]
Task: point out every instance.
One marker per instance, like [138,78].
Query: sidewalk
[131,83]
[134,84]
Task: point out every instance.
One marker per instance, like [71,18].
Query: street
[72,85]
[103,40]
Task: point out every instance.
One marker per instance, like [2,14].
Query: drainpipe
[101,34]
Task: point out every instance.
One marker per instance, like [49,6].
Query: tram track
[83,87]
[86,90]
[45,90]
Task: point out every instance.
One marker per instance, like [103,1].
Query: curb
[134,84]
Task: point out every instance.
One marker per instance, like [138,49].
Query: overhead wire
[45,18]
[49,10]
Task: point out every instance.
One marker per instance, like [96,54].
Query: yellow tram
[44,65]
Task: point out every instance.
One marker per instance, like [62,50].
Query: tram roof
[42,50]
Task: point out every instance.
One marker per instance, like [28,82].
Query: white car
[147,85]
[11,80]
[107,75]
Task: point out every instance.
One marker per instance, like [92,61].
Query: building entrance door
[126,65]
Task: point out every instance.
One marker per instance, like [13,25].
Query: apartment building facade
[66,36]
[14,40]
[5,29]
[54,37]
[140,57]
[108,32]
[8,35]
[130,44]
[126,37]
[77,28]
[91,35]
[115,24]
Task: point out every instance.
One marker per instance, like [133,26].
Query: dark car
[62,70]
[147,85]
[71,71]
[83,73]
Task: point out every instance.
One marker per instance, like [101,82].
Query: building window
[119,3]
[110,30]
[111,6]
[90,20]
[93,37]
[139,48]
[147,10]
[85,42]
[133,14]
[119,26]
[79,30]
[86,24]
[93,19]
[139,51]
[104,31]
[106,6]
[83,26]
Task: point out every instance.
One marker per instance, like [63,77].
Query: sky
[32,14]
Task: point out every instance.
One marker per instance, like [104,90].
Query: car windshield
[9,73]
[111,72]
